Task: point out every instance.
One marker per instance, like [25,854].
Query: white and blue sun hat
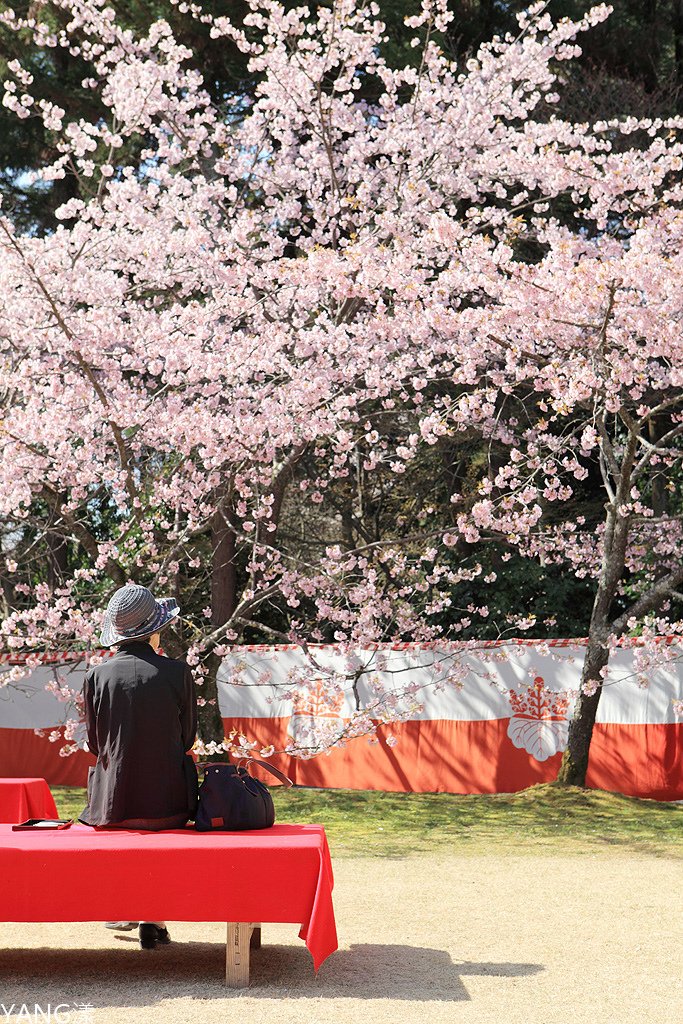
[132,612]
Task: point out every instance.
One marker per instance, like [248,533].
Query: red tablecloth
[21,799]
[82,874]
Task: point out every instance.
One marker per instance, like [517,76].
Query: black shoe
[151,936]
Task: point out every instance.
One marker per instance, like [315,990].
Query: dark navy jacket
[141,718]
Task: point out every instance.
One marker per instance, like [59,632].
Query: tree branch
[650,601]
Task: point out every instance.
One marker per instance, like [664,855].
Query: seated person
[141,721]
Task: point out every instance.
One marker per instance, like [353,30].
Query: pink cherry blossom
[265,301]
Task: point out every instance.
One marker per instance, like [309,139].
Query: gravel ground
[594,939]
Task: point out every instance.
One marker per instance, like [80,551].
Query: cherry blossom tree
[306,279]
[600,351]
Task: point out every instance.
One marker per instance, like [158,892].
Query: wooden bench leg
[237,954]
[241,939]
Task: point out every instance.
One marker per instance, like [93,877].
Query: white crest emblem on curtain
[539,722]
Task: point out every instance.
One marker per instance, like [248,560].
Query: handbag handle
[273,771]
[264,764]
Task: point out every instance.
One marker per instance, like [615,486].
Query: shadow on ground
[127,977]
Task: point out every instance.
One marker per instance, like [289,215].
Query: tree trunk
[574,763]
[223,603]
[57,558]
[224,597]
[575,758]
[615,541]
[660,503]
[210,723]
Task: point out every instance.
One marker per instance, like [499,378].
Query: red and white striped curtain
[492,719]
[485,719]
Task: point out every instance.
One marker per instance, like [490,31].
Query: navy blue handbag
[232,800]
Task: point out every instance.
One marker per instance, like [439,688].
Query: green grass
[544,819]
